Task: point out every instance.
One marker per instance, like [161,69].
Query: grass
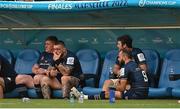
[59,103]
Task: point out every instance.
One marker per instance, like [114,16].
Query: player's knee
[37,79]
[45,80]
[107,82]
[23,79]
[65,78]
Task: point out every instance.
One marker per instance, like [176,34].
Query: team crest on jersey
[141,57]
[70,60]
[122,72]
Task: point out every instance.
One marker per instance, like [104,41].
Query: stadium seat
[25,60]
[8,55]
[171,60]
[23,65]
[153,62]
[109,61]
[90,61]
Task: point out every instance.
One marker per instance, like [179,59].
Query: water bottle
[81,98]
[71,97]
[24,99]
[112,94]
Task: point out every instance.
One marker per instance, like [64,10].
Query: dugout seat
[25,61]
[90,63]
[171,60]
[23,65]
[7,54]
[109,61]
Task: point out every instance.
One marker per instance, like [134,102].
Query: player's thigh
[74,82]
[55,84]
[2,84]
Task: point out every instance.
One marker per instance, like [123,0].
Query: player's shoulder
[70,54]
[136,50]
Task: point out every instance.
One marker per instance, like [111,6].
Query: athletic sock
[38,90]
[22,90]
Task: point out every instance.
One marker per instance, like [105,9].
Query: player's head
[124,55]
[49,43]
[124,42]
[59,47]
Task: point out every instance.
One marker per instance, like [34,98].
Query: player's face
[59,49]
[120,46]
[121,57]
[49,46]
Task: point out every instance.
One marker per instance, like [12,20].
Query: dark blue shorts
[135,94]
[10,83]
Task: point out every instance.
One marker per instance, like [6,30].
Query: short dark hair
[52,38]
[60,42]
[125,39]
[127,53]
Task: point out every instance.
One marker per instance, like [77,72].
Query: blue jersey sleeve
[138,56]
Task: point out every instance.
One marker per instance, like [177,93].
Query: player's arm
[142,61]
[52,71]
[37,70]
[64,69]
[116,69]
[143,66]
[122,85]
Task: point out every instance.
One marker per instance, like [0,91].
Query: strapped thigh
[2,83]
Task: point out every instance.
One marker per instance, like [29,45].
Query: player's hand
[53,73]
[56,56]
[116,69]
[42,71]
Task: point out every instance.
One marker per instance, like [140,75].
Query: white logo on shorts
[9,78]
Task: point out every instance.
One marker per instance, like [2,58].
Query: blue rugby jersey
[45,60]
[135,76]
[71,60]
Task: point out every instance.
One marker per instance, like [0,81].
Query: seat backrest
[90,61]
[153,62]
[25,60]
[171,60]
[7,54]
[109,61]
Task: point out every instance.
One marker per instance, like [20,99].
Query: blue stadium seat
[171,60]
[8,55]
[23,65]
[25,60]
[153,62]
[109,61]
[90,61]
